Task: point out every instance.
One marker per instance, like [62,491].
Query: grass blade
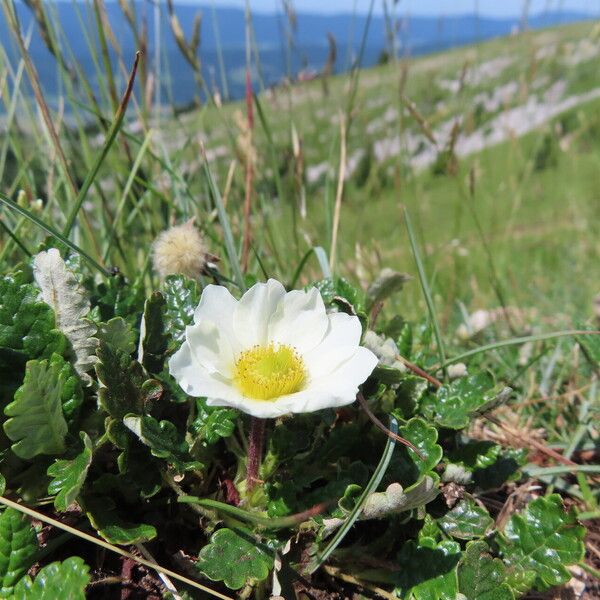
[224,221]
[50,230]
[517,342]
[110,138]
[425,288]
[369,489]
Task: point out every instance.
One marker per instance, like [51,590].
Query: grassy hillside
[530,102]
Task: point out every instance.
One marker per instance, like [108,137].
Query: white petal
[299,321]
[337,346]
[210,347]
[341,386]
[253,311]
[216,304]
[262,409]
[194,379]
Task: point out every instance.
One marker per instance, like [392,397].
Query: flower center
[269,372]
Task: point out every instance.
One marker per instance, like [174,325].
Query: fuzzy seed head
[180,249]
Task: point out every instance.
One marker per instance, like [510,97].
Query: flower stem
[255,449]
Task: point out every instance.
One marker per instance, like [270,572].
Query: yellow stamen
[269,372]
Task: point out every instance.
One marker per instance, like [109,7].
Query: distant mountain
[416,35]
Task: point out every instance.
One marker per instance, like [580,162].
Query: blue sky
[500,8]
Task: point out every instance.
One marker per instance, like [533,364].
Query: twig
[418,371]
[380,425]
[531,443]
[335,572]
[94,540]
[164,578]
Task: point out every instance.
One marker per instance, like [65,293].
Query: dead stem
[383,428]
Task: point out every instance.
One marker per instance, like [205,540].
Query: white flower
[271,353]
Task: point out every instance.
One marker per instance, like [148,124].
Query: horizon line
[207,4]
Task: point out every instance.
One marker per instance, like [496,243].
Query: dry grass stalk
[339,191]
[419,118]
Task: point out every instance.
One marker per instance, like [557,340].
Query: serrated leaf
[164,441]
[337,291]
[69,475]
[27,327]
[387,283]
[66,580]
[409,392]
[428,570]
[122,379]
[234,558]
[182,296]
[388,375]
[467,520]
[118,335]
[408,468]
[424,437]
[117,298]
[540,542]
[490,464]
[153,339]
[72,392]
[455,404]
[61,290]
[37,424]
[481,577]
[103,516]
[18,547]
[213,422]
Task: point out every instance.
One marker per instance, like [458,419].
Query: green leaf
[467,520]
[66,580]
[117,298]
[337,291]
[27,325]
[481,577]
[540,542]
[103,516]
[424,438]
[69,475]
[122,379]
[389,282]
[152,333]
[428,570]
[455,404]
[182,297]
[164,441]
[234,558]
[37,424]
[18,547]
[408,468]
[489,465]
[118,335]
[213,422]
[27,330]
